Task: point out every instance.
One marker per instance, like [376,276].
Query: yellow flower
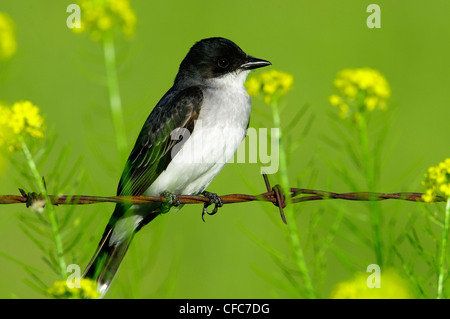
[8,45]
[392,286]
[61,290]
[20,120]
[270,85]
[335,100]
[100,16]
[371,103]
[339,102]
[362,89]
[437,181]
[253,86]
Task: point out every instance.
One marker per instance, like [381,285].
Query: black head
[215,57]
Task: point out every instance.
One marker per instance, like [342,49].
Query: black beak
[254,63]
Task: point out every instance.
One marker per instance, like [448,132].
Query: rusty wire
[274,195]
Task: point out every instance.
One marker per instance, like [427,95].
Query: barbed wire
[275,195]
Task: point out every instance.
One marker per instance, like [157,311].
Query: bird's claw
[171,198]
[213,199]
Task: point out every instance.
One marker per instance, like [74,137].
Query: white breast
[217,133]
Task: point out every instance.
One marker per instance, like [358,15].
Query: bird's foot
[171,198]
[213,199]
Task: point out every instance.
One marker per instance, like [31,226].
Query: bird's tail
[107,259]
[112,248]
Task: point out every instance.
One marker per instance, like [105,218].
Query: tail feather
[106,261]
[114,244]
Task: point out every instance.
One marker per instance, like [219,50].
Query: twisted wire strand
[274,195]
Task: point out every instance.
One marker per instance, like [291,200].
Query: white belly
[217,133]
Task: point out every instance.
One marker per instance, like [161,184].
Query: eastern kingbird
[190,135]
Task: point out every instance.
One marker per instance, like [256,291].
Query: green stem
[50,209]
[442,260]
[369,172]
[293,233]
[114,95]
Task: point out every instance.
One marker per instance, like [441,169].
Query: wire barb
[280,201]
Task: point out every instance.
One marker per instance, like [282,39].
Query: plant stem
[114,95]
[289,213]
[369,170]
[50,209]
[442,260]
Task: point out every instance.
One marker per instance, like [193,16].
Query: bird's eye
[223,63]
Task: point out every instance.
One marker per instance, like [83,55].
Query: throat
[232,80]
[226,104]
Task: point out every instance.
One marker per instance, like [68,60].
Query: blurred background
[177,255]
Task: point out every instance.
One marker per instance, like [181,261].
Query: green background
[63,73]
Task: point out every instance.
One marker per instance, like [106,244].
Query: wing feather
[152,152]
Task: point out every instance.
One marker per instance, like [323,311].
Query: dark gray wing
[152,152]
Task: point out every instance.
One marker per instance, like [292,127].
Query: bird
[189,136]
